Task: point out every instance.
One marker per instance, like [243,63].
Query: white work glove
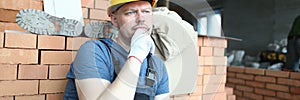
[141,45]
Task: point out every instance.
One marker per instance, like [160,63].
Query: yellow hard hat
[115,4]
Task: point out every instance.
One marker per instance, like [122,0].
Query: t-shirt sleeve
[93,60]
[163,85]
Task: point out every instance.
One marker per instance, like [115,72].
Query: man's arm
[123,88]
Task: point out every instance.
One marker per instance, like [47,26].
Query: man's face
[132,16]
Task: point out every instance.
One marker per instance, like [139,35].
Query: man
[293,47]
[124,68]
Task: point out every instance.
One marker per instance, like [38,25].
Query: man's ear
[114,20]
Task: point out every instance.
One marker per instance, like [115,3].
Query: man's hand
[141,44]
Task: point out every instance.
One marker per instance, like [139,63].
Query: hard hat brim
[115,7]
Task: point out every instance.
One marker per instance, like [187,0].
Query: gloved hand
[141,44]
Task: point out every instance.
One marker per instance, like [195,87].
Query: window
[210,25]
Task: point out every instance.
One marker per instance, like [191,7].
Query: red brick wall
[33,67]
[258,84]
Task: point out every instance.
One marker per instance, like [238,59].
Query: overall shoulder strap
[108,42]
[151,72]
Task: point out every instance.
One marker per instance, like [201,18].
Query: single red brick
[290,82]
[101,4]
[218,51]
[200,41]
[57,57]
[265,92]
[200,60]
[10,15]
[220,96]
[52,86]
[7,98]
[200,70]
[33,72]
[255,71]
[295,90]
[277,87]
[277,73]
[208,70]
[253,96]
[19,87]
[54,96]
[244,88]
[206,51]
[25,4]
[295,75]
[34,4]
[231,74]
[255,84]
[284,95]
[32,97]
[221,70]
[213,88]
[2,26]
[8,72]
[230,85]
[51,42]
[215,60]
[236,69]
[214,79]
[265,79]
[238,92]
[245,76]
[14,26]
[229,90]
[85,12]
[215,42]
[15,40]
[88,3]
[17,56]
[98,14]
[235,81]
[73,43]
[13,4]
[58,71]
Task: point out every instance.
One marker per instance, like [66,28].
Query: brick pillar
[211,70]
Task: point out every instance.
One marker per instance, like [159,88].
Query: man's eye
[146,11]
[130,13]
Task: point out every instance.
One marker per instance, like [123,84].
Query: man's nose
[140,17]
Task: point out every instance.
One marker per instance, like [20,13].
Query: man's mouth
[140,27]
